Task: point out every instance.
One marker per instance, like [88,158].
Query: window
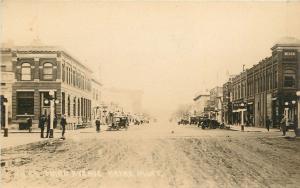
[68,110]
[25,71]
[63,103]
[48,71]
[3,68]
[275,79]
[25,103]
[289,78]
[63,72]
[74,106]
[78,111]
[74,78]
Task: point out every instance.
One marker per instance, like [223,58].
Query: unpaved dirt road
[156,155]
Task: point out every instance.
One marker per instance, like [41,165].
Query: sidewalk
[22,137]
[252,129]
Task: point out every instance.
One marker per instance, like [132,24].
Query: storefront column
[297,130]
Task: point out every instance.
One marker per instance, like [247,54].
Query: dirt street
[156,155]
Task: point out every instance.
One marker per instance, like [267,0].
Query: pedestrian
[63,123]
[55,121]
[283,126]
[97,122]
[42,122]
[48,126]
[268,123]
[29,123]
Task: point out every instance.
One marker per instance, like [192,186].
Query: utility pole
[51,93]
[6,118]
[52,101]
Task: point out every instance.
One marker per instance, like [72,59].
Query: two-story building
[38,70]
[268,89]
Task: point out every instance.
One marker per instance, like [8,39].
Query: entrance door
[2,116]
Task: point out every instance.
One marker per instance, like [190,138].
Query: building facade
[216,99]
[268,89]
[227,106]
[97,105]
[7,80]
[39,70]
[200,102]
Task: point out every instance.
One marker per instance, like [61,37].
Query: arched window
[48,71]
[25,71]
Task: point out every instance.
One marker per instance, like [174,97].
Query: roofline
[285,45]
[199,96]
[56,49]
[96,81]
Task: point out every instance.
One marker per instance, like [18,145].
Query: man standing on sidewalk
[97,122]
[63,123]
[283,126]
[42,122]
[29,123]
[48,126]
[268,123]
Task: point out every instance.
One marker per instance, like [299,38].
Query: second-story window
[289,78]
[25,71]
[48,71]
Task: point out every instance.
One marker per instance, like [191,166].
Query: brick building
[7,79]
[37,70]
[227,102]
[269,87]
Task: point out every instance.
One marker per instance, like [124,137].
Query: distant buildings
[125,100]
[200,101]
[96,99]
[270,88]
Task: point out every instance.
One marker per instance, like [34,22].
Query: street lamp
[286,111]
[242,114]
[52,100]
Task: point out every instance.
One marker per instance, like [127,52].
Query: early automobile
[119,122]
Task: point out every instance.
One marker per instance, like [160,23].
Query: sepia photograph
[150,93]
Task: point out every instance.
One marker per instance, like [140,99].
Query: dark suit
[42,121]
[48,126]
[63,123]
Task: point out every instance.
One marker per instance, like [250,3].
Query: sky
[170,50]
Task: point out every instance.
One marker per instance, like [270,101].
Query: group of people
[283,124]
[45,120]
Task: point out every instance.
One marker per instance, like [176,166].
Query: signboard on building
[290,55]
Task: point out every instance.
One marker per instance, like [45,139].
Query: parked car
[119,122]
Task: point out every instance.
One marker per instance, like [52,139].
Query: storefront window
[25,103]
